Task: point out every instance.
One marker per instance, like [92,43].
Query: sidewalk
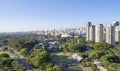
[99,65]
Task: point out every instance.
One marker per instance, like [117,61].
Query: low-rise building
[77,57]
[66,36]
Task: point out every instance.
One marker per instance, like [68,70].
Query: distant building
[77,57]
[53,43]
[115,23]
[99,33]
[66,35]
[43,43]
[54,46]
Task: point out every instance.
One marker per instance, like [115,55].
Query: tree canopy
[74,45]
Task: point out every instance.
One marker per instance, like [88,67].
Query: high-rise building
[116,31]
[92,33]
[117,34]
[104,34]
[87,30]
[110,34]
[99,33]
[115,23]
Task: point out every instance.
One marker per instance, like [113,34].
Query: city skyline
[29,15]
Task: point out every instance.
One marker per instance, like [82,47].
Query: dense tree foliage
[107,54]
[3,42]
[4,55]
[96,54]
[74,45]
[102,46]
[52,67]
[94,67]
[24,51]
[40,59]
[110,61]
[8,64]
[23,45]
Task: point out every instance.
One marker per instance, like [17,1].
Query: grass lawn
[59,55]
[63,53]
[59,58]
[73,69]
[1,52]
[62,59]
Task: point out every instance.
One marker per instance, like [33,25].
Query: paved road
[21,60]
[99,65]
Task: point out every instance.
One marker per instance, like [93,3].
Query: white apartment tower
[110,34]
[99,33]
[117,31]
[117,34]
[87,30]
[92,33]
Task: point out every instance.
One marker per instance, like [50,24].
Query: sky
[32,15]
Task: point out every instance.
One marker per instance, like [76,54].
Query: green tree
[96,54]
[57,68]
[102,46]
[24,51]
[74,45]
[39,57]
[4,55]
[94,67]
[15,64]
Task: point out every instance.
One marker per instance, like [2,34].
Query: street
[23,62]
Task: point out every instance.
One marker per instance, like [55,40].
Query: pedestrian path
[99,65]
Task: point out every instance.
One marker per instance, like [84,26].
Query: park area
[64,60]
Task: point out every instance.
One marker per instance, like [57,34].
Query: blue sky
[28,15]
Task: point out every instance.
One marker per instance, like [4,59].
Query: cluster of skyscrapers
[99,33]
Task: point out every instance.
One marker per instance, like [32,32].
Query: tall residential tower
[117,34]
[87,30]
[110,34]
[99,33]
[90,35]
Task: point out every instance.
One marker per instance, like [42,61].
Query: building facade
[87,30]
[92,33]
[99,33]
[110,34]
[117,34]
